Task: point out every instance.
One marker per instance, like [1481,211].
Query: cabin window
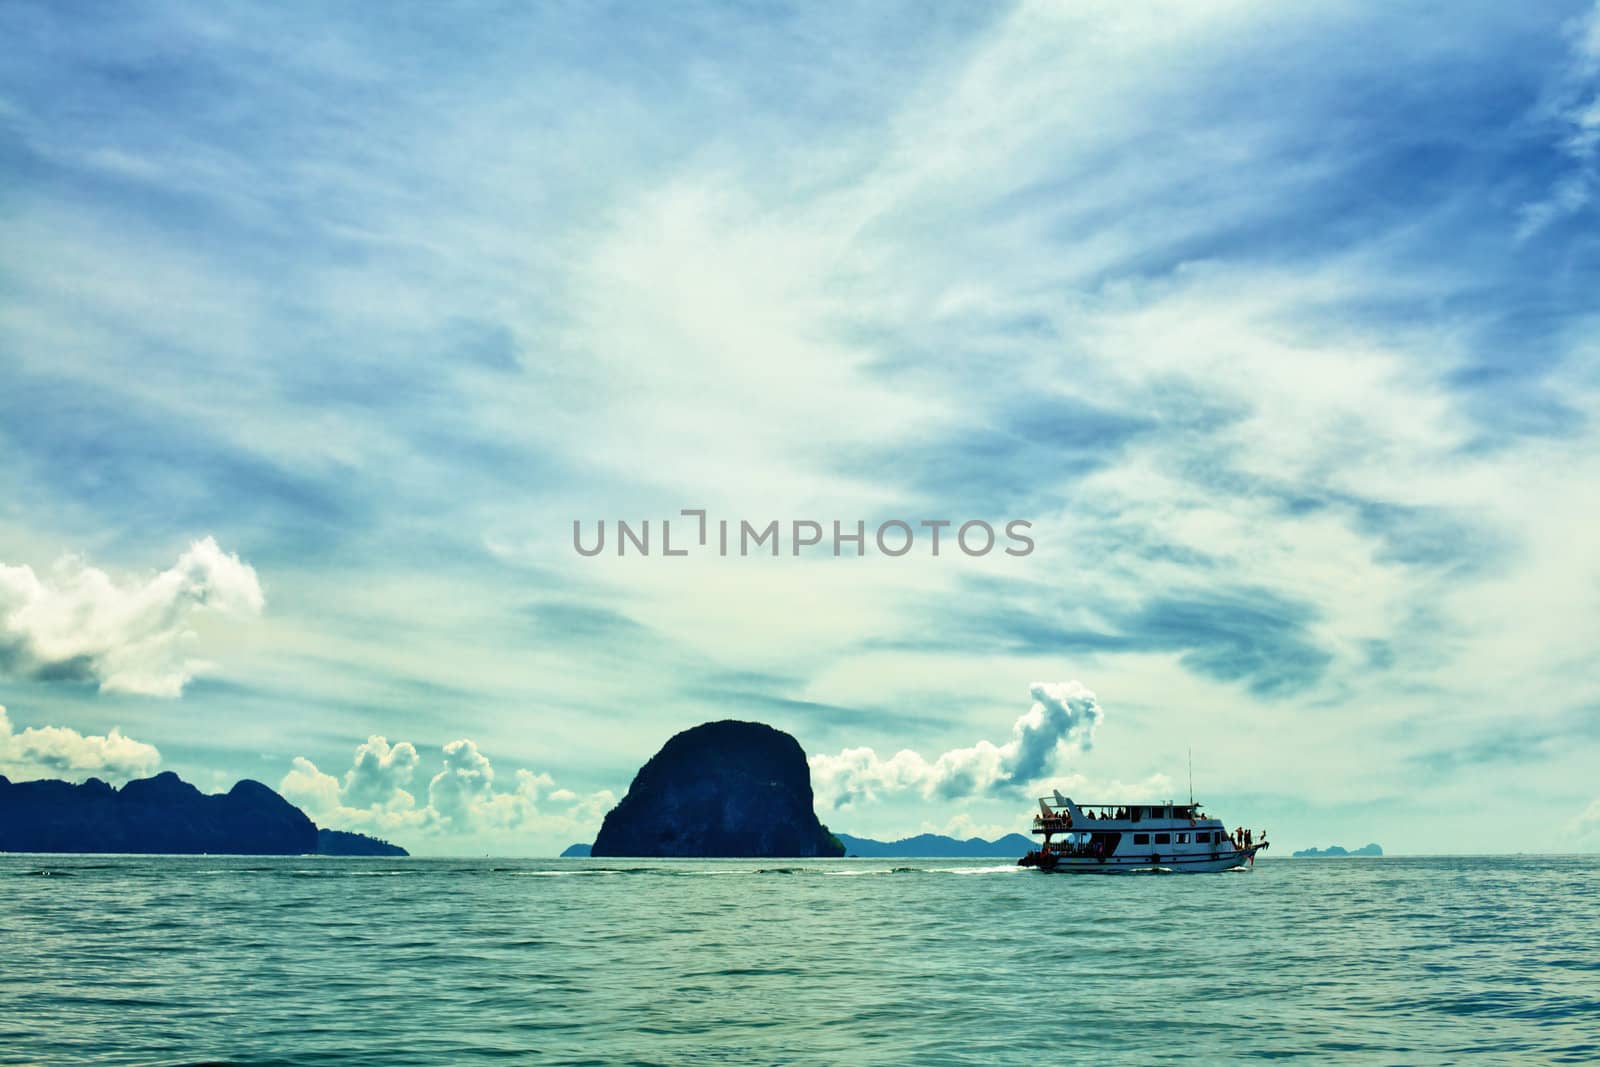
[1202,837]
[1183,839]
[1163,839]
[1141,839]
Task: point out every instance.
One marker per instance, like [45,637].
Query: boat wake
[1002,868]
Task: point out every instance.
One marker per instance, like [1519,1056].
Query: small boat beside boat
[1137,838]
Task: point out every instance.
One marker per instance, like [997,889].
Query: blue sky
[320,326]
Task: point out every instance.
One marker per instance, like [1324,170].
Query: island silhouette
[1371,849]
[720,789]
[165,814]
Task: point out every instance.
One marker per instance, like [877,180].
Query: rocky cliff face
[722,789]
[150,815]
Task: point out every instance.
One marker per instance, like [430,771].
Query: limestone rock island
[163,814]
[723,789]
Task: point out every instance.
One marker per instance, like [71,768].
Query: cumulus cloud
[372,794]
[1063,717]
[310,788]
[80,624]
[463,796]
[380,775]
[464,788]
[57,752]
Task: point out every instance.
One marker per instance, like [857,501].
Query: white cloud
[1573,108]
[1589,821]
[1063,716]
[464,790]
[963,826]
[316,792]
[58,752]
[994,223]
[373,793]
[79,623]
[462,798]
[380,775]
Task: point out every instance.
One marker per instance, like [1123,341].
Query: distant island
[1339,850]
[924,845]
[721,789]
[165,814]
[345,843]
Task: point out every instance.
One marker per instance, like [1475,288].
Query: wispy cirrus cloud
[1290,362]
[1572,111]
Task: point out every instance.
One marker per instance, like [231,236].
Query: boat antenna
[1191,776]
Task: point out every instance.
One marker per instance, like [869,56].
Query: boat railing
[1190,812]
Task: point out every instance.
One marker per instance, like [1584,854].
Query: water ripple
[181,960]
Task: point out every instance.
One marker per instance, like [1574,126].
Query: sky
[321,326]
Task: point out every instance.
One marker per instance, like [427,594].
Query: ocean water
[373,961]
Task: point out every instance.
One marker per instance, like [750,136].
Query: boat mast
[1191,776]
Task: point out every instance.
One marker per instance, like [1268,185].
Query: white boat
[1137,838]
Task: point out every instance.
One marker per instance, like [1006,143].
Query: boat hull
[1201,863]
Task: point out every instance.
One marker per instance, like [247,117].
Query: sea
[303,960]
